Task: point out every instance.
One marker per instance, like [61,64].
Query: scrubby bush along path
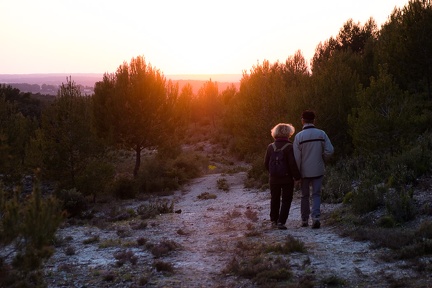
[213,241]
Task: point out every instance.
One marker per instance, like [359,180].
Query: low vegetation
[265,263]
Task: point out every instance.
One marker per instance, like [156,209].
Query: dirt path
[208,233]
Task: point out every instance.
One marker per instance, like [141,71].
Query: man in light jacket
[311,147]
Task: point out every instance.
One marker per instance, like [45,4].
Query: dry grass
[163,248]
[251,215]
[163,266]
[206,196]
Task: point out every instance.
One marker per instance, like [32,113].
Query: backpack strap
[275,148]
[286,145]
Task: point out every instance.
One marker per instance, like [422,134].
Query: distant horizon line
[228,77]
[61,73]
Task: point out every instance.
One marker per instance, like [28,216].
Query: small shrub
[188,167]
[388,238]
[159,175]
[333,280]
[420,248]
[206,195]
[91,240]
[95,177]
[245,246]
[125,256]
[335,189]
[69,251]
[109,276]
[143,281]
[348,198]
[253,233]
[337,184]
[65,267]
[400,205]
[367,197]
[425,230]
[165,206]
[72,201]
[307,281]
[222,184]
[110,243]
[182,232]
[131,212]
[139,226]
[141,241]
[147,211]
[233,214]
[163,248]
[123,232]
[260,269]
[251,215]
[290,245]
[152,177]
[387,221]
[257,171]
[162,266]
[150,210]
[412,162]
[124,188]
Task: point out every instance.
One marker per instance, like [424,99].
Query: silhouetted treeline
[46,89]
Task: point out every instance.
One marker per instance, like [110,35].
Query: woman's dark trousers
[279,208]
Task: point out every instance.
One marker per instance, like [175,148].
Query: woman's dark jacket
[289,155]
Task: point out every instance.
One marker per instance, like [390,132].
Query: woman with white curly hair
[281,183]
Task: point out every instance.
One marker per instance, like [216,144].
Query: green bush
[337,183]
[73,201]
[387,221]
[348,198]
[186,167]
[165,175]
[257,176]
[413,162]
[367,197]
[425,230]
[124,188]
[400,175]
[147,211]
[206,195]
[33,222]
[94,178]
[260,268]
[222,184]
[290,245]
[150,210]
[154,177]
[164,206]
[400,205]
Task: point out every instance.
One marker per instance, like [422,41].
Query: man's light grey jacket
[311,146]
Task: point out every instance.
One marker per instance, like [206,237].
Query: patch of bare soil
[206,235]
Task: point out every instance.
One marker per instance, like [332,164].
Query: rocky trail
[205,235]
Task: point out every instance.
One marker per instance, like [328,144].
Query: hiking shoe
[274,224]
[316,224]
[304,224]
[281,226]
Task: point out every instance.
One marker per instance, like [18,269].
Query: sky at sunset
[174,36]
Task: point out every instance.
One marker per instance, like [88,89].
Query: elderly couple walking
[304,162]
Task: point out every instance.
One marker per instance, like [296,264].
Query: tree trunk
[137,160]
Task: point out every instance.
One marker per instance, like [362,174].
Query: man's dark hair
[308,116]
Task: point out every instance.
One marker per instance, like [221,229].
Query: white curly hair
[282,130]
